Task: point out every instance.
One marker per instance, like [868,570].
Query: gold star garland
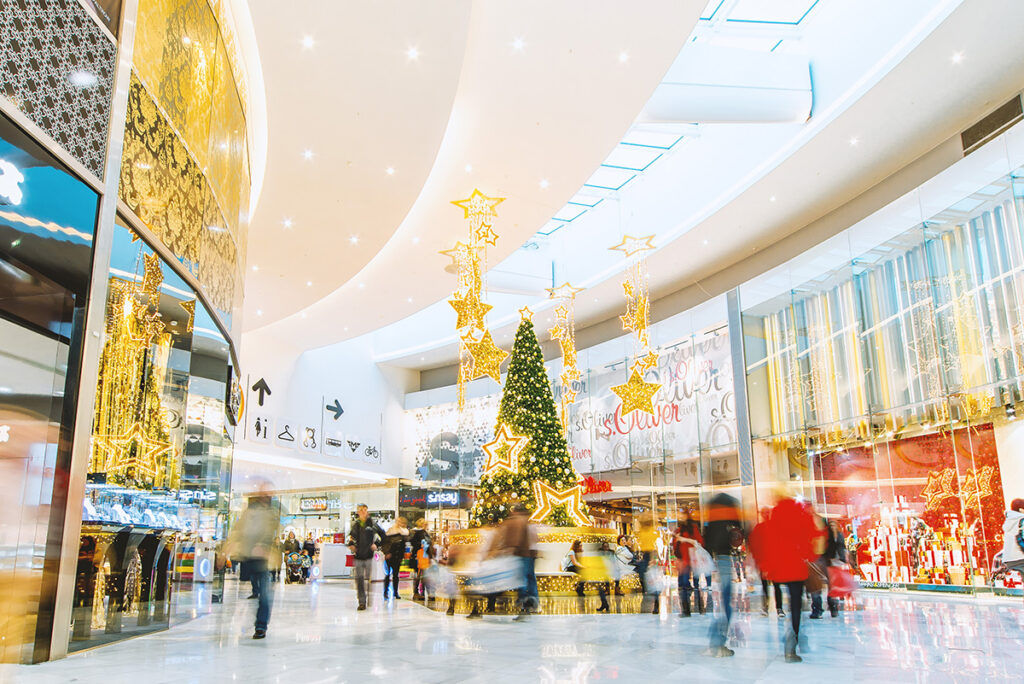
[636,393]
[564,332]
[478,355]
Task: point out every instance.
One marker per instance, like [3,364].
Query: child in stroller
[296,562]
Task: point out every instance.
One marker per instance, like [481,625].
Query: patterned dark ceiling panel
[57,67]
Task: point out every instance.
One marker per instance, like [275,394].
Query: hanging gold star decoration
[487,356]
[525,314]
[634,245]
[563,291]
[470,309]
[503,453]
[152,274]
[636,394]
[478,355]
[564,332]
[190,308]
[939,487]
[548,497]
[646,363]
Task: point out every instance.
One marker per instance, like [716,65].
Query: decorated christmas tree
[528,461]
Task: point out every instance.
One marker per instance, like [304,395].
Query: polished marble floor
[316,636]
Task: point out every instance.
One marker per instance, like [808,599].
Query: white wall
[301,384]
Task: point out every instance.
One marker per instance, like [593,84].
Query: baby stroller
[295,562]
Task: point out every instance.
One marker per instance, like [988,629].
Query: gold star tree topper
[487,356]
[503,452]
[548,497]
[636,394]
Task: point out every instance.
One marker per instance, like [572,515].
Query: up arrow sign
[263,388]
[335,408]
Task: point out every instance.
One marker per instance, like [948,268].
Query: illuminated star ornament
[478,355]
[634,245]
[190,308]
[487,357]
[142,461]
[503,453]
[636,394]
[548,497]
[939,487]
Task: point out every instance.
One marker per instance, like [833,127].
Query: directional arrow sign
[263,388]
[335,408]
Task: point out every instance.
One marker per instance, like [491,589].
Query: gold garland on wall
[478,355]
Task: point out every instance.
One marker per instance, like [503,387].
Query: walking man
[252,539]
[722,534]
[362,540]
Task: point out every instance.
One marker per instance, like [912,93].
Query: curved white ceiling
[500,96]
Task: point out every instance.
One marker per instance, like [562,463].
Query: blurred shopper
[723,533]
[292,543]
[573,563]
[362,541]
[625,563]
[647,540]
[419,541]
[276,559]
[519,538]
[686,536]
[834,552]
[757,541]
[790,549]
[252,539]
[1013,537]
[394,553]
[492,576]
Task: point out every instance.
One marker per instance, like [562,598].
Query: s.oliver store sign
[694,408]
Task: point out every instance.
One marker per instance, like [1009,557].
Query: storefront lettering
[440,498]
[196,495]
[309,504]
[592,486]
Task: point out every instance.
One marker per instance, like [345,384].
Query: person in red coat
[757,543]
[790,545]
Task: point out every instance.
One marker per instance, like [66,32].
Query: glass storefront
[158,485]
[885,380]
[47,224]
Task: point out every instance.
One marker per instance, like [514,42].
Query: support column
[739,374]
[93,339]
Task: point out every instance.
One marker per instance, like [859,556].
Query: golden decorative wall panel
[217,268]
[160,181]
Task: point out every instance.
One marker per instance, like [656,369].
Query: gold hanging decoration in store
[564,332]
[634,245]
[190,308]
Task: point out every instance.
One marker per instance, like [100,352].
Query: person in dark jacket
[394,553]
[722,534]
[362,540]
[292,543]
[420,539]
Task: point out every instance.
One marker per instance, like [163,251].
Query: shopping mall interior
[328,325]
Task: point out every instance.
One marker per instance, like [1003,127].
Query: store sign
[592,486]
[313,504]
[442,498]
[426,498]
[196,495]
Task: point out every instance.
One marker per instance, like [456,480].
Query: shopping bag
[654,579]
[841,582]
[440,581]
[497,575]
[700,559]
[815,578]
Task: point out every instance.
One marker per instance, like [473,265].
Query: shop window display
[159,471]
[887,388]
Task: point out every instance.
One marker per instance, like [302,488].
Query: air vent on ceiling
[992,125]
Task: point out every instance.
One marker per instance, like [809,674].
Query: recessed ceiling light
[83,79]
[307,154]
[354,239]
[303,314]
[772,198]
[390,171]
[423,358]
[346,329]
[308,42]
[469,168]
[544,183]
[518,44]
[413,53]
[361,286]
[705,242]
[957,57]
[309,283]
[854,141]
[255,267]
[287,223]
[259,312]
[623,57]
[409,299]
[416,240]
